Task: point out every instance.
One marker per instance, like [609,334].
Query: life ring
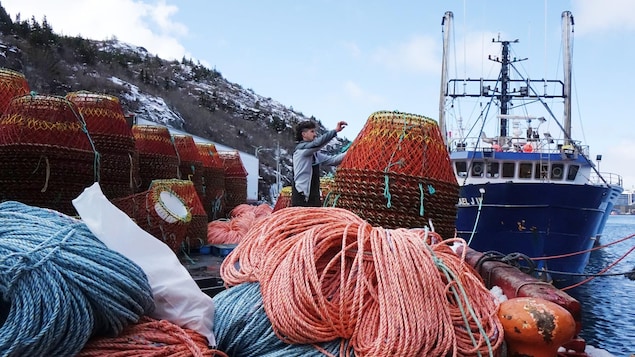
[171,208]
[556,172]
[528,147]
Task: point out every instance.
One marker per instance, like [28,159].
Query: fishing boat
[526,190]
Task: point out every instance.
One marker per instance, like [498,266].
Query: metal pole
[278,167]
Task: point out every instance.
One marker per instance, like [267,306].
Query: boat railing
[609,178]
[544,145]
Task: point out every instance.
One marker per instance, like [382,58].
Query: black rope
[517,260]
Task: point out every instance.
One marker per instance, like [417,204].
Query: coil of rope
[325,274]
[60,285]
[151,337]
[241,320]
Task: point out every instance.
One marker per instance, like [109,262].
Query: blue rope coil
[242,328]
[60,285]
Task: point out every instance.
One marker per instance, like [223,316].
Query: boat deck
[205,270]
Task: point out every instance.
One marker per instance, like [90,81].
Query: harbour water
[608,303]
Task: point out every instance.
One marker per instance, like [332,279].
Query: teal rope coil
[60,285]
[242,328]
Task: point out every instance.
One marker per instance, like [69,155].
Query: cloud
[140,23]
[356,93]
[592,16]
[418,54]
[352,49]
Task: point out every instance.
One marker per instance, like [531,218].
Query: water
[608,303]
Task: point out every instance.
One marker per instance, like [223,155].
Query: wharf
[205,270]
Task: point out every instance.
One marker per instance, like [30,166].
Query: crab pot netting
[46,154]
[157,212]
[284,199]
[213,179]
[12,84]
[113,140]
[157,154]
[235,179]
[190,164]
[397,173]
[196,233]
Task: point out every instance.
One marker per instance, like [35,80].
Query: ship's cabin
[515,170]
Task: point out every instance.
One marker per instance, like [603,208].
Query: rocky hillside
[181,94]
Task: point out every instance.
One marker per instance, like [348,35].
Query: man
[307,159]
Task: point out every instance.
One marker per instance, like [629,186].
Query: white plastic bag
[177,297]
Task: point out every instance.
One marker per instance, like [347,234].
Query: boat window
[542,171]
[461,168]
[525,170]
[509,169]
[557,171]
[573,171]
[493,169]
[477,169]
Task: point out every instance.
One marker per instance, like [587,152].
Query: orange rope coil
[150,337]
[326,274]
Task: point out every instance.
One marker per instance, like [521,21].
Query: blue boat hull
[538,220]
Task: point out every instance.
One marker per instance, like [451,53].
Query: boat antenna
[504,98]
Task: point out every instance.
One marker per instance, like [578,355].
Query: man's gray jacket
[307,154]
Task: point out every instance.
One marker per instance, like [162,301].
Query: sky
[346,59]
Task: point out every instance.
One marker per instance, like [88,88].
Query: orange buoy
[528,147]
[535,327]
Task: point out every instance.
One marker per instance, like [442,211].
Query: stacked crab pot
[397,173]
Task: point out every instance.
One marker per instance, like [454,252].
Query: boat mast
[504,98]
[567,29]
[446,23]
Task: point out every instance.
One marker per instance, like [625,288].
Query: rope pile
[232,230]
[325,275]
[60,285]
[397,173]
[151,337]
[241,319]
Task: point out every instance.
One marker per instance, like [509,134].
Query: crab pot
[12,84]
[196,234]
[113,140]
[284,199]
[47,157]
[190,164]
[235,180]
[213,180]
[157,155]
[397,174]
[159,211]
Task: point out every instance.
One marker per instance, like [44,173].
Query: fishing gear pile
[113,140]
[213,180]
[397,173]
[60,285]
[47,156]
[327,277]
